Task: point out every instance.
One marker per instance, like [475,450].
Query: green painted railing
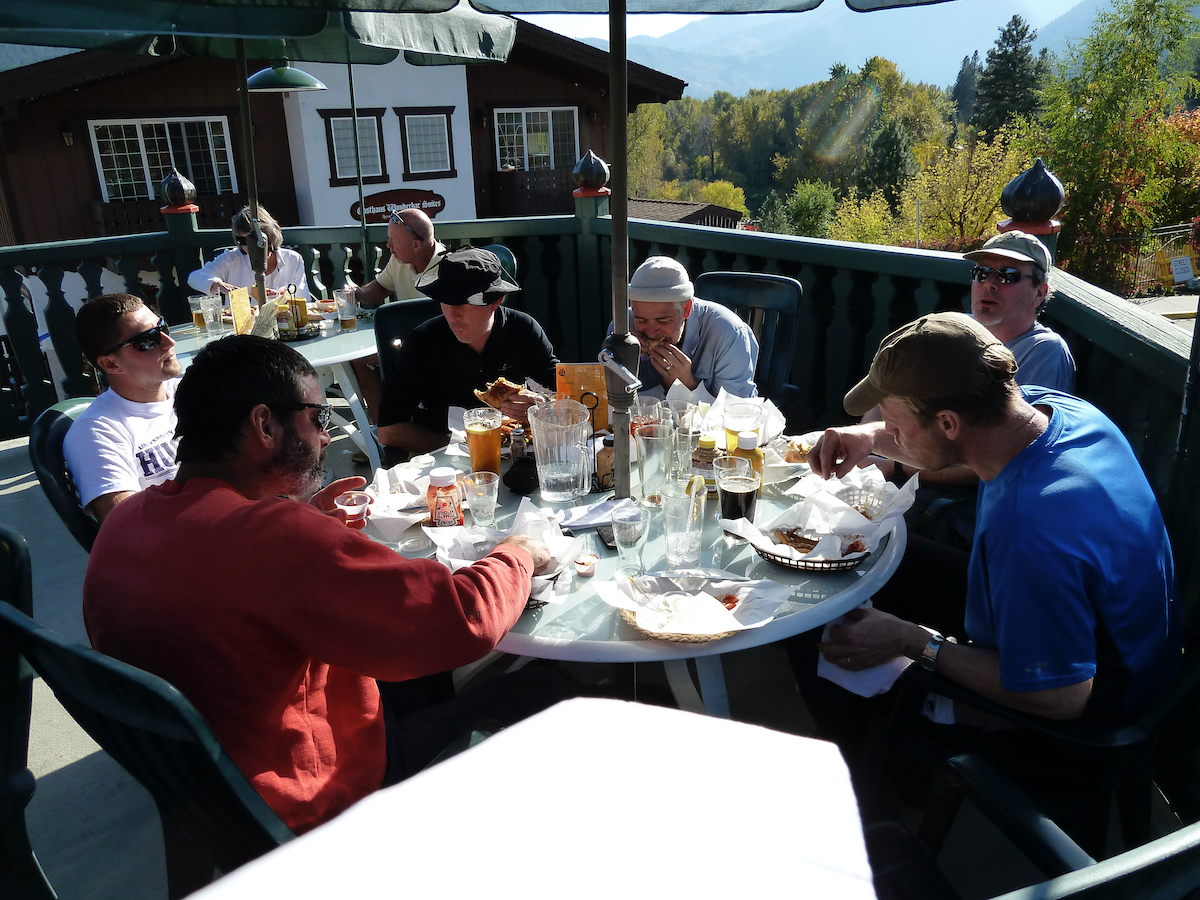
[1131,364]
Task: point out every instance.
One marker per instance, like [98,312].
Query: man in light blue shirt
[698,343]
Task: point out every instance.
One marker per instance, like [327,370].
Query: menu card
[239,306]
[574,380]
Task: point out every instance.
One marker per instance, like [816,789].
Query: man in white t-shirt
[125,441]
[415,252]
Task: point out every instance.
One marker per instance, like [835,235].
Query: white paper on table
[714,419]
[590,516]
[399,501]
[683,605]
[460,546]
[776,468]
[865,682]
[700,396]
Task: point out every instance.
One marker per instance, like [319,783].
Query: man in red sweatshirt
[240,584]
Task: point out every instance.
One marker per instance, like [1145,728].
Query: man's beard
[300,464]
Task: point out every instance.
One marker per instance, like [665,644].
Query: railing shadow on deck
[1132,364]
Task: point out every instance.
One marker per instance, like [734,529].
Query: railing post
[185,258]
[593,285]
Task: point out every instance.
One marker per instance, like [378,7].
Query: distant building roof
[66,70]
[684,212]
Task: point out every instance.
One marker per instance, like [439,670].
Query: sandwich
[497,392]
[797,451]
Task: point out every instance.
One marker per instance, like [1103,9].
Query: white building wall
[388,86]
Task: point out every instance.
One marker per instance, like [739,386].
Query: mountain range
[735,53]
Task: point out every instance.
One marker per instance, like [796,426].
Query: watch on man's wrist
[928,659]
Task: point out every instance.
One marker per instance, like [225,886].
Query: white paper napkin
[590,516]
[700,396]
[685,605]
[399,500]
[865,682]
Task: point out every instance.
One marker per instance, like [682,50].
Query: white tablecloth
[592,798]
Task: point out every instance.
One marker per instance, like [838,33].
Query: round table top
[327,350]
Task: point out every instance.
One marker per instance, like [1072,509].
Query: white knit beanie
[660,280]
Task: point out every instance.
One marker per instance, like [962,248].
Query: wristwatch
[928,659]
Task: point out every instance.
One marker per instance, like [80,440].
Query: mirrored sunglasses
[396,220]
[324,411]
[1004,274]
[145,341]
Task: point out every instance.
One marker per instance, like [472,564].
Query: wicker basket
[630,618]
[869,503]
[812,565]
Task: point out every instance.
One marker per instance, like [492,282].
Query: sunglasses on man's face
[324,411]
[1004,274]
[144,341]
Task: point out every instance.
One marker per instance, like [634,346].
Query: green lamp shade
[278,79]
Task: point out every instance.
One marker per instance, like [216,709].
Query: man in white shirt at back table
[125,441]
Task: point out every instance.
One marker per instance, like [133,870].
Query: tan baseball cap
[1015,245]
[938,355]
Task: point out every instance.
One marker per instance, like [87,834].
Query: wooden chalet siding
[51,188]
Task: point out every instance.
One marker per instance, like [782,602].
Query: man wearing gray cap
[1071,608]
[474,342]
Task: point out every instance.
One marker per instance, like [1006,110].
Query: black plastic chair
[46,438]
[20,873]
[508,260]
[211,815]
[770,304]
[904,869]
[1158,749]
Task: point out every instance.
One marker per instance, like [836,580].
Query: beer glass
[741,417]
[347,310]
[211,308]
[482,489]
[737,489]
[655,450]
[630,524]
[483,438]
[643,412]
[680,413]
[197,310]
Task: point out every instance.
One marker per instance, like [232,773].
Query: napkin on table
[590,516]
[689,605]
[399,500]
[714,419]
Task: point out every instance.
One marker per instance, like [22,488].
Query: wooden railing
[1131,364]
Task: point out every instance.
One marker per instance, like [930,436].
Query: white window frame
[555,163]
[148,182]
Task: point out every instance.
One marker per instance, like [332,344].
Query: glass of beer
[197,312]
[483,438]
[737,489]
[347,310]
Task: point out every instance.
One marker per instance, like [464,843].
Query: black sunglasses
[396,220]
[324,411]
[1004,274]
[241,239]
[145,341]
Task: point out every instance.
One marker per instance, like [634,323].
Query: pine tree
[888,163]
[963,92]
[1008,85]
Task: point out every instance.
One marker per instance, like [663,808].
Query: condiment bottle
[605,457]
[702,462]
[444,497]
[748,448]
[516,443]
[299,310]
[283,316]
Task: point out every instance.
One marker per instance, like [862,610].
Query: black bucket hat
[467,275]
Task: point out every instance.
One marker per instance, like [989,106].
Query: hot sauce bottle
[444,497]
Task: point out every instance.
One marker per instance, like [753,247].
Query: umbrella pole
[620,349]
[257,260]
[362,206]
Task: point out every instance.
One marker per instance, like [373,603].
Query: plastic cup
[630,524]
[483,438]
[482,490]
[355,504]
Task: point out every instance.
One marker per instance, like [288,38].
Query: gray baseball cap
[1015,245]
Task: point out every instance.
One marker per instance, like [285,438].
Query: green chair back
[770,304]
[211,815]
[20,873]
[46,438]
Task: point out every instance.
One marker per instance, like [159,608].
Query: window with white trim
[339,141]
[427,139]
[537,138]
[133,156]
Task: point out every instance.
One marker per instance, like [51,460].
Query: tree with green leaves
[807,211]
[1008,85]
[888,163]
[963,92]
[645,147]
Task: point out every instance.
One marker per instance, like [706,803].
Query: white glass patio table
[335,351]
[577,626]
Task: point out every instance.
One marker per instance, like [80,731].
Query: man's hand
[516,406]
[323,499]
[873,638]
[839,450]
[671,363]
[535,548]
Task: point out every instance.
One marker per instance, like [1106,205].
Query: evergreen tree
[1008,85]
[888,163]
[963,92]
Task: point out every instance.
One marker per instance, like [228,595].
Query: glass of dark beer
[737,489]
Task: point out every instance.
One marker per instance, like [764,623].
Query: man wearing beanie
[1071,609]
[686,339]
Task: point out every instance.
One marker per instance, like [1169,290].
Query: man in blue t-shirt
[1071,604]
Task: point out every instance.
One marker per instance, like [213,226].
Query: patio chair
[46,451]
[771,306]
[20,873]
[903,866]
[1158,749]
[211,815]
